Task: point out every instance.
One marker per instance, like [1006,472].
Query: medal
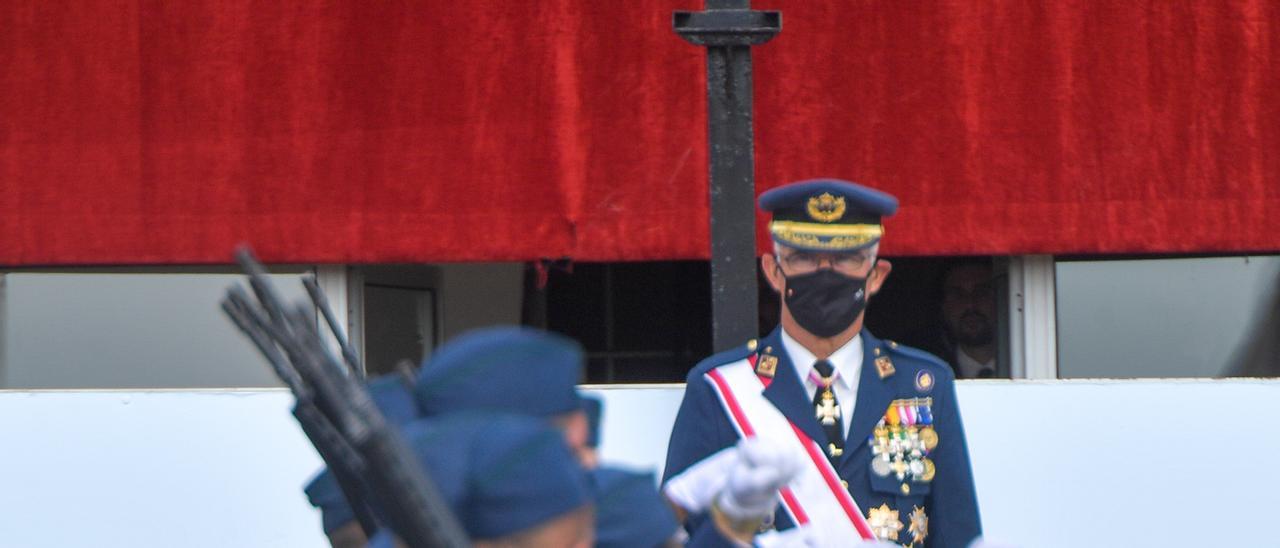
[880,466]
[929,438]
[929,470]
[827,411]
[899,467]
[924,411]
[917,468]
[884,522]
[919,527]
[891,416]
[906,412]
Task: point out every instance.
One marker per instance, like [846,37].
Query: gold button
[751,344]
[876,350]
[844,484]
[906,489]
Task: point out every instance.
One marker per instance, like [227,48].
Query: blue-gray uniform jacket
[944,508]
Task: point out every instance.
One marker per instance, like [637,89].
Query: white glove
[695,488]
[752,488]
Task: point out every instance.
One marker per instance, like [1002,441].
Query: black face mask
[825,302]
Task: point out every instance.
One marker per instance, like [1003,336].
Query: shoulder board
[915,353]
[731,355]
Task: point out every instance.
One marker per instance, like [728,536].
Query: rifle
[322,304]
[370,460]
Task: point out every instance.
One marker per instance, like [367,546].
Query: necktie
[826,408]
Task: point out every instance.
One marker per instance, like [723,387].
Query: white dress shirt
[969,367]
[846,360]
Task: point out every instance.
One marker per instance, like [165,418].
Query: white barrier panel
[1058,463]
[155,468]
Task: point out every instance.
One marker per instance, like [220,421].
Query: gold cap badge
[825,207]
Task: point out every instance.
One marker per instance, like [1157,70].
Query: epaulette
[728,356]
[916,353]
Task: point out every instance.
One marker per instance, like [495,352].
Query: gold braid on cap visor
[823,236]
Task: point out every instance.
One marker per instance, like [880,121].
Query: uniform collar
[847,359]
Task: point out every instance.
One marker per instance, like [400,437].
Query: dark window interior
[640,322]
[651,321]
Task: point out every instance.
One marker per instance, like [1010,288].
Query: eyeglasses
[803,262]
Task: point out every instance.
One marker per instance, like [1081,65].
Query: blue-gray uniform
[904,458]
[393,398]
[947,500]
[629,511]
[520,371]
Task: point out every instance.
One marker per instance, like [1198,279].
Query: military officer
[876,423]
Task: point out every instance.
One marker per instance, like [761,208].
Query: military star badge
[884,522]
[919,527]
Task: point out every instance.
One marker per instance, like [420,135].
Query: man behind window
[969,319]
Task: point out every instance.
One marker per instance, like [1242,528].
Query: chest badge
[924,382]
[884,366]
[766,365]
[919,527]
[884,522]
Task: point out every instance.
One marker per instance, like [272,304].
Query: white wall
[1184,317]
[161,468]
[1058,463]
[127,330]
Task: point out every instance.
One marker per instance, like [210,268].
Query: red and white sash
[815,496]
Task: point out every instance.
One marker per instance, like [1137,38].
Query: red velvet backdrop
[166,132]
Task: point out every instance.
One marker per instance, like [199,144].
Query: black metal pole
[728,29]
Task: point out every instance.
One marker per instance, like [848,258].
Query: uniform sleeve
[324,493]
[706,535]
[954,519]
[700,429]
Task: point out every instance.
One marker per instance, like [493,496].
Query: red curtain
[166,132]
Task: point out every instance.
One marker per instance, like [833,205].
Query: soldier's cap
[394,398]
[629,510]
[593,408]
[504,369]
[501,474]
[827,214]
